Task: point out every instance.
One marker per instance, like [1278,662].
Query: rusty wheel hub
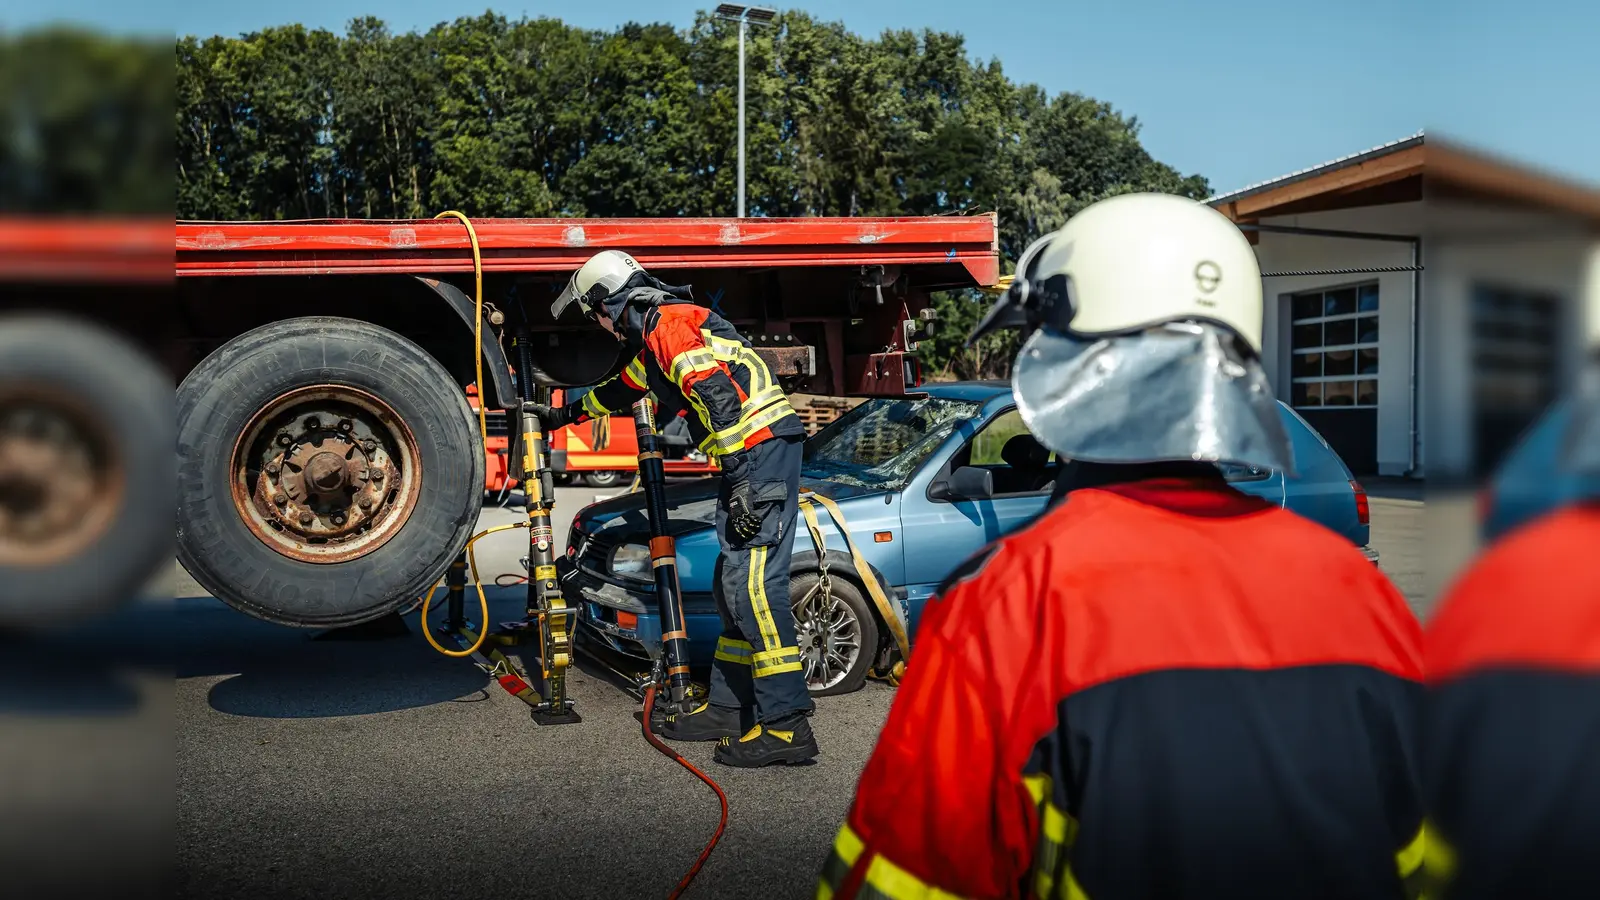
[326,474]
[59,482]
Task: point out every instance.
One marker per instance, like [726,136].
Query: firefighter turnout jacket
[688,356]
[1513,717]
[1160,688]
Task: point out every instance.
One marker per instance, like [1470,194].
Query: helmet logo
[1207,276]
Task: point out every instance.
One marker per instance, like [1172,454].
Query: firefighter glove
[553,417]
[743,518]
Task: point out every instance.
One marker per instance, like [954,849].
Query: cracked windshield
[880,443]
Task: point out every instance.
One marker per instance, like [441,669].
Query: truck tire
[85,475]
[328,472]
[825,627]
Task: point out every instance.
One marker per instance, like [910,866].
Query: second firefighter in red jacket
[1162,687]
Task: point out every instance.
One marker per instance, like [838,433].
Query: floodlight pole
[744,26]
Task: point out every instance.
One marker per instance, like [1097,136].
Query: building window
[1333,348]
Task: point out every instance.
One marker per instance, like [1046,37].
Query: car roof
[980,391]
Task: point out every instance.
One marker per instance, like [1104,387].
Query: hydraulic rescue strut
[547,608]
[672,666]
[671,670]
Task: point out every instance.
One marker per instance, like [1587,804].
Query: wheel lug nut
[375,474]
[284,439]
[313,423]
[338,519]
[274,467]
[365,502]
[306,518]
[281,499]
[346,425]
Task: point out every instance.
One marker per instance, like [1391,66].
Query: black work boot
[788,740]
[703,723]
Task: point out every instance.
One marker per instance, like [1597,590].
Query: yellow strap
[886,609]
[1409,859]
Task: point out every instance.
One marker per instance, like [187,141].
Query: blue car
[1529,482]
[924,481]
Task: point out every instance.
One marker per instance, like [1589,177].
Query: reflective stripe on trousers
[757,663]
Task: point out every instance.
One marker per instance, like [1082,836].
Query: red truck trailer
[330,467]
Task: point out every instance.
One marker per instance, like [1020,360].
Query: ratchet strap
[496,665]
[887,609]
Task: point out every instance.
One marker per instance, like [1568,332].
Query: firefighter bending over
[1162,687]
[693,361]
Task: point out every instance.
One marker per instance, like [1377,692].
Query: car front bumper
[605,608]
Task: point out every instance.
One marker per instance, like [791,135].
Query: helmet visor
[570,295]
[1178,391]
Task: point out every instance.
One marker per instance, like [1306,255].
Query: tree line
[534,117]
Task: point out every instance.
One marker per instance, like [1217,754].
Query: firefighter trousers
[757,666]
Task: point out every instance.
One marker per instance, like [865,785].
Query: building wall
[1462,247]
[1280,252]
[1551,259]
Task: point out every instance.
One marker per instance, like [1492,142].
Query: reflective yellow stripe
[698,359]
[846,850]
[898,884]
[635,370]
[594,407]
[761,398]
[729,650]
[758,599]
[773,662]
[1057,833]
[1410,858]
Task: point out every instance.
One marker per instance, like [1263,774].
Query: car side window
[1019,463]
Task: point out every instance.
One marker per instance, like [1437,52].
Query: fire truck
[329,465]
[590,454]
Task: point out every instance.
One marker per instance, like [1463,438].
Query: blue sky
[1237,90]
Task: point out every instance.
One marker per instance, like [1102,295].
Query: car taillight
[1363,509]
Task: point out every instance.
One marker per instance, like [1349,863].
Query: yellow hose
[483,438]
[477,324]
[483,600]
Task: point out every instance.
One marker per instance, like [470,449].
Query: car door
[938,535]
[1268,484]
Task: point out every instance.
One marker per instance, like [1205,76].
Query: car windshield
[882,442]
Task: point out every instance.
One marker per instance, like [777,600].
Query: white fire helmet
[602,275]
[1147,314]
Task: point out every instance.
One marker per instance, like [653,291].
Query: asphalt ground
[311,767]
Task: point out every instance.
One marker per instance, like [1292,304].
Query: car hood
[691,507]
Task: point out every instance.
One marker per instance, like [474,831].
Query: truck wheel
[328,472]
[85,475]
[603,479]
[837,634]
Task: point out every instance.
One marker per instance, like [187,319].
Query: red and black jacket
[1513,716]
[694,362]
[1163,688]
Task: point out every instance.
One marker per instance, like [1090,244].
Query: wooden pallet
[817,412]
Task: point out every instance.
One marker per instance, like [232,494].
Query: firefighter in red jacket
[1513,713]
[695,363]
[1162,687]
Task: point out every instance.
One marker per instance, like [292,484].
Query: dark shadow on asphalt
[84,671]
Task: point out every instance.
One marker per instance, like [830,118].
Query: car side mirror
[966,483]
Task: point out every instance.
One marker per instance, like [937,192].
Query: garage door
[1334,368]
[1514,366]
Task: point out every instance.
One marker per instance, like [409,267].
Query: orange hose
[649,707]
